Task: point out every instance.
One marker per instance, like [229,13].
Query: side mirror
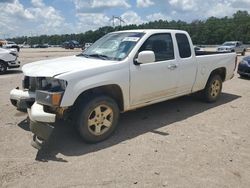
[145,57]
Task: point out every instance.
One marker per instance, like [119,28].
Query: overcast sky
[36,17]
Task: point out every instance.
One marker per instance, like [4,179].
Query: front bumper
[22,99]
[13,64]
[224,50]
[41,124]
[244,69]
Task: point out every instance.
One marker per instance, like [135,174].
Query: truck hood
[53,67]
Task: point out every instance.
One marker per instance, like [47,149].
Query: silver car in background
[232,46]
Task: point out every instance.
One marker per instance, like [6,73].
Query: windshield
[228,44]
[113,46]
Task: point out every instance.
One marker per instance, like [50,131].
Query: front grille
[26,82]
[30,83]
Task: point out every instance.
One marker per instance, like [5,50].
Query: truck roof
[152,31]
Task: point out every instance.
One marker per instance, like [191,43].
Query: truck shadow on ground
[66,141]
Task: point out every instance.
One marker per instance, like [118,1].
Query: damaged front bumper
[14,64]
[40,124]
[40,121]
[22,99]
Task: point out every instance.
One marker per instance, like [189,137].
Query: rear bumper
[41,124]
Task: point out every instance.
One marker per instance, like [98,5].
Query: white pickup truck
[121,71]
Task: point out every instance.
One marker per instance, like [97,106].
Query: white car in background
[8,60]
[11,45]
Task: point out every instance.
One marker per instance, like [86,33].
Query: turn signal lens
[49,98]
[56,99]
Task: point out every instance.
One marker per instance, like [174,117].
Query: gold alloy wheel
[215,88]
[100,120]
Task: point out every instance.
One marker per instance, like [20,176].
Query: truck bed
[209,61]
[200,53]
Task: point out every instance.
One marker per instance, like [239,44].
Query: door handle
[172,66]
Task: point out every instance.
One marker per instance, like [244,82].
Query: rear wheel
[3,67]
[213,88]
[97,119]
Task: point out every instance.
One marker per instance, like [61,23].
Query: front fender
[76,87]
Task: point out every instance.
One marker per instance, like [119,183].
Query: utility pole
[117,18]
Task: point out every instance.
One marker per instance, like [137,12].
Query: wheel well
[113,91]
[4,62]
[221,72]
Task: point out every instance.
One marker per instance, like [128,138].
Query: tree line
[211,31]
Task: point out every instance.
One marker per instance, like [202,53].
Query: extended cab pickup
[121,71]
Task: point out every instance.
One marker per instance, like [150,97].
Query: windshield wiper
[100,56]
[84,55]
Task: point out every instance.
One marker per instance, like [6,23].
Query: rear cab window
[183,45]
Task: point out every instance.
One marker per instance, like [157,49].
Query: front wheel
[213,88]
[97,119]
[3,68]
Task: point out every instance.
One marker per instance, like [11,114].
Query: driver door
[155,80]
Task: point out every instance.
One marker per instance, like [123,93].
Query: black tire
[3,67]
[213,88]
[243,53]
[87,113]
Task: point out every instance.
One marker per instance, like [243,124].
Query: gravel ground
[178,143]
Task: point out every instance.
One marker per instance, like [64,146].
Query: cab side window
[183,45]
[161,45]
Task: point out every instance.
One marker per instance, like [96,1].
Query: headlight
[13,53]
[49,98]
[244,62]
[51,84]
[50,91]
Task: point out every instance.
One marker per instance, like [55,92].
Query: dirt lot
[178,143]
